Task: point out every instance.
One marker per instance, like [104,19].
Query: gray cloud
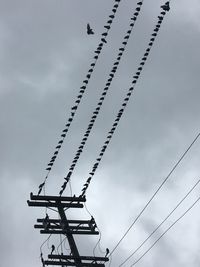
[44,55]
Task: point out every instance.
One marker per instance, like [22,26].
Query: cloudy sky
[45,54]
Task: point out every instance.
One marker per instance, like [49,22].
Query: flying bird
[89,29]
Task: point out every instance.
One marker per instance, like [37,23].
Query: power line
[99,240]
[103,95]
[179,203]
[157,190]
[125,101]
[165,232]
[74,108]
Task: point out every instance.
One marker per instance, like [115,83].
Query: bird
[64,186]
[104,34]
[166,6]
[39,191]
[103,40]
[107,27]
[89,29]
[107,252]
[41,185]
[52,249]
[74,108]
[66,179]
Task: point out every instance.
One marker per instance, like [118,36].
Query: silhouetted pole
[72,244]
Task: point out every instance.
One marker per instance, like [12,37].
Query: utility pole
[68,228]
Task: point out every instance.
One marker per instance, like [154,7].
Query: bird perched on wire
[107,252]
[89,29]
[52,249]
[166,6]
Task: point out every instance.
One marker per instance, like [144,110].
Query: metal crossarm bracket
[54,201]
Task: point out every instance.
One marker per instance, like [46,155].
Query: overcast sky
[45,54]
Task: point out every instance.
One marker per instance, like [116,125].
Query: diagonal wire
[179,203]
[99,240]
[157,190]
[46,240]
[103,94]
[125,101]
[81,92]
[165,232]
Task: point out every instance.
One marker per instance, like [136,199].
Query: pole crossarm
[53,204]
[63,263]
[59,198]
[54,201]
[58,227]
[85,258]
[58,232]
[58,221]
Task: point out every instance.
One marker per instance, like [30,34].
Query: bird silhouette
[107,252]
[104,34]
[52,249]
[89,30]
[107,27]
[41,185]
[166,6]
[109,21]
[39,191]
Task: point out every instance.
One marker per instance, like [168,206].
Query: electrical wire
[103,94]
[46,240]
[74,108]
[52,209]
[157,190]
[125,101]
[99,240]
[166,218]
[165,232]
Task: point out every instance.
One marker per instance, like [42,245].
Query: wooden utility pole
[68,228]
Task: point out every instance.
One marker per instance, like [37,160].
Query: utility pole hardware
[68,228]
